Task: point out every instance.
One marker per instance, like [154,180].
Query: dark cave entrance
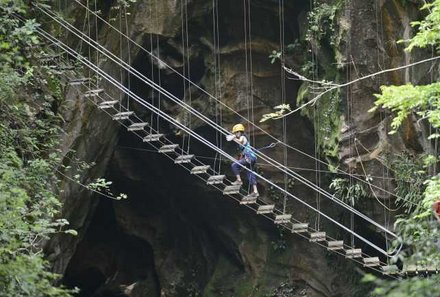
[169,216]
[171,221]
[106,257]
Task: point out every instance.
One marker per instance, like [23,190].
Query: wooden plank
[92,93]
[353,253]
[410,269]
[264,209]
[371,261]
[152,137]
[122,115]
[317,236]
[231,190]
[249,199]
[282,219]
[183,159]
[431,269]
[137,126]
[215,179]
[300,227]
[200,169]
[335,245]
[107,104]
[78,81]
[390,269]
[169,148]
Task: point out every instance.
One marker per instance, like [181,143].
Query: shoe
[254,195]
[237,183]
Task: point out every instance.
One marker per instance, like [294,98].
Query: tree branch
[337,86]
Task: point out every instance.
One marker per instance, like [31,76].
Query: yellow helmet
[238,128]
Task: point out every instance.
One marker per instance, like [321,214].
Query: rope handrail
[228,107]
[168,118]
[224,131]
[190,109]
[234,198]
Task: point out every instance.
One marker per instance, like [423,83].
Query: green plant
[28,134]
[414,183]
[347,191]
[404,100]
[409,177]
[289,49]
[408,287]
[428,30]
[322,22]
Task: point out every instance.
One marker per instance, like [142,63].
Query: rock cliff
[174,236]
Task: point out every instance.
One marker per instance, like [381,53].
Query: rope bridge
[181,156]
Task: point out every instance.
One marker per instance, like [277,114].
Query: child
[248,158]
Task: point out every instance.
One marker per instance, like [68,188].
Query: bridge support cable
[168,118]
[225,105]
[120,63]
[214,125]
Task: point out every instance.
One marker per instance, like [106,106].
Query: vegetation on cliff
[30,125]
[29,128]
[419,231]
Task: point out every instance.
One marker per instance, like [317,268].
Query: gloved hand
[230,137]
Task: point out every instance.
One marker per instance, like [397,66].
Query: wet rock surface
[175,236]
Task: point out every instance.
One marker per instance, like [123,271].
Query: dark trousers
[236,168]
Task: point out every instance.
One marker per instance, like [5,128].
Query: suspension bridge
[149,133]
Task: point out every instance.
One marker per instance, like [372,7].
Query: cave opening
[107,258]
[174,234]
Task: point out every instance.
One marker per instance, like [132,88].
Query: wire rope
[194,134]
[283,94]
[188,75]
[159,78]
[146,80]
[177,124]
[218,136]
[127,32]
[57,43]
[225,105]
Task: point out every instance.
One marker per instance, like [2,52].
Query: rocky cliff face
[371,47]
[176,237]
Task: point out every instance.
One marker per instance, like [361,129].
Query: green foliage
[275,55]
[326,113]
[349,192]
[28,211]
[407,99]
[409,177]
[428,30]
[417,229]
[28,135]
[322,22]
[408,287]
[324,30]
[103,186]
[290,49]
[15,39]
